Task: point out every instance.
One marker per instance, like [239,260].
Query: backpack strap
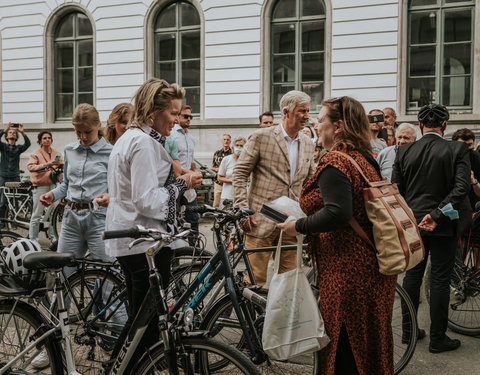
[353,222]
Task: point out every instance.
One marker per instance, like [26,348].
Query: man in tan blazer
[277,160]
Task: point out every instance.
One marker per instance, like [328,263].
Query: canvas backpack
[396,237]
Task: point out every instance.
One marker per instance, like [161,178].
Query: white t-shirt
[226,170]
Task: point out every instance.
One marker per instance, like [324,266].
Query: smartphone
[376,118]
[15,125]
[57,158]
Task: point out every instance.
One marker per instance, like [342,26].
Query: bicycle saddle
[47,260]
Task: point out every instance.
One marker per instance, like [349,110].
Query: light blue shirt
[85,172]
[385,159]
[185,145]
[171,148]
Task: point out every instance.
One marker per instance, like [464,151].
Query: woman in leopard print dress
[355,299]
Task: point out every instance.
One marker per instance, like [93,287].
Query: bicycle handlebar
[234,214]
[134,232]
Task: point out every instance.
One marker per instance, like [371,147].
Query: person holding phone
[10,160]
[41,164]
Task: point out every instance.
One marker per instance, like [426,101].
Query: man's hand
[46,199]
[247,224]
[20,129]
[427,223]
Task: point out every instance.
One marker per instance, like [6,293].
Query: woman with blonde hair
[144,190]
[118,122]
[355,299]
[84,187]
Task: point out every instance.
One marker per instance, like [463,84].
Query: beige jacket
[265,160]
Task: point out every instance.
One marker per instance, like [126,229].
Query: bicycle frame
[13,196]
[61,325]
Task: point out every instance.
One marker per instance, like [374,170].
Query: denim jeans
[81,230]
[37,212]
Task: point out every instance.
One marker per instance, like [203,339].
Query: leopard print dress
[352,290]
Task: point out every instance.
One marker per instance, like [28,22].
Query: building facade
[236,58]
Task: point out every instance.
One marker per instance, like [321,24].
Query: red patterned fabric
[352,290]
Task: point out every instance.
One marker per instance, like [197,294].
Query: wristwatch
[475,182]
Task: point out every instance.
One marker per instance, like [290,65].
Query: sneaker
[41,361]
[445,345]
[420,335]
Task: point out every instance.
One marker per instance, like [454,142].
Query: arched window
[177,49]
[73,63]
[440,53]
[297,49]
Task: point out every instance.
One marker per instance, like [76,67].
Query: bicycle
[25,331]
[19,206]
[464,308]
[220,316]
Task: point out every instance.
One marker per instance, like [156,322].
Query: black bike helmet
[433,114]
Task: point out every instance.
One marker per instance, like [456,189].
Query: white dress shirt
[292,148]
[137,171]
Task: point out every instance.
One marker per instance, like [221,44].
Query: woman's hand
[103,199]
[47,199]
[288,227]
[193,179]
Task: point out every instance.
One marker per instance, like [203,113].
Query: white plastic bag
[293,324]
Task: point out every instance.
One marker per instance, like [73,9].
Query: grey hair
[391,110]
[292,99]
[239,139]
[406,125]
[228,135]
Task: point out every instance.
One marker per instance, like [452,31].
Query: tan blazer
[265,160]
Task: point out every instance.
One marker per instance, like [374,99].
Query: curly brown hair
[355,134]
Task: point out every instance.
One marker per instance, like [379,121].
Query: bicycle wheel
[56,219]
[7,238]
[97,310]
[223,325]
[464,307]
[404,318]
[464,311]
[20,325]
[195,356]
[189,254]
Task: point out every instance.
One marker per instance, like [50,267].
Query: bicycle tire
[94,334]
[8,237]
[403,312]
[56,219]
[222,323]
[16,331]
[464,306]
[189,254]
[200,351]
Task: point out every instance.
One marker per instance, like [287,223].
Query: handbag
[396,237]
[293,324]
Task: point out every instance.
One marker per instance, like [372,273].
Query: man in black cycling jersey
[431,174]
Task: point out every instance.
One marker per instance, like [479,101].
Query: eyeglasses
[187,116]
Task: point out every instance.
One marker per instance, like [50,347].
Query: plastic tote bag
[293,324]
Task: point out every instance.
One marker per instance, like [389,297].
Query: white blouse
[138,169]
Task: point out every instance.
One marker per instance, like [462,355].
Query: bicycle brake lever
[139,240]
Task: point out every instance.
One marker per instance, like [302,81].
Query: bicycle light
[188,316]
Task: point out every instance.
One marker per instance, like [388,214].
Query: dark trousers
[345,361]
[3,200]
[442,258]
[192,218]
[135,268]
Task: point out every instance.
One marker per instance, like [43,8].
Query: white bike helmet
[13,256]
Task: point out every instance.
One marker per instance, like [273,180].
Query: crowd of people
[142,168]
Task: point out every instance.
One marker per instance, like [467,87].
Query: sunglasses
[187,116]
